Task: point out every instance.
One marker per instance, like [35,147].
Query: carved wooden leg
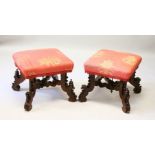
[124,95]
[19,78]
[87,89]
[30,94]
[135,81]
[68,88]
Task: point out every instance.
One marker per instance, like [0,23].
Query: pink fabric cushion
[112,64]
[42,62]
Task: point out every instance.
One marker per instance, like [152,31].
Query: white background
[72,17]
[51,103]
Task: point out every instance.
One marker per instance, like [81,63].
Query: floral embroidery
[105,72]
[130,60]
[99,54]
[49,61]
[106,64]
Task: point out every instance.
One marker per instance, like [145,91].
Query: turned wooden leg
[87,89]
[30,94]
[135,81]
[124,95]
[19,78]
[68,88]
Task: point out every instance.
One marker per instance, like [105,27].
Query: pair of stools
[49,63]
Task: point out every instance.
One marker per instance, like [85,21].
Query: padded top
[112,64]
[42,62]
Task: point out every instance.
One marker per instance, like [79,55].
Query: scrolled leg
[30,94]
[19,78]
[68,88]
[87,89]
[135,81]
[124,95]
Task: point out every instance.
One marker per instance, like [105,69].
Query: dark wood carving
[135,81]
[68,87]
[124,95]
[30,94]
[87,89]
[19,78]
[35,84]
[120,86]
[109,84]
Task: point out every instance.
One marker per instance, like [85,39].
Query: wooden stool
[109,65]
[45,63]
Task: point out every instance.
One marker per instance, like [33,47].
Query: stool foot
[124,95]
[87,89]
[135,81]
[126,109]
[30,95]
[27,107]
[68,88]
[19,78]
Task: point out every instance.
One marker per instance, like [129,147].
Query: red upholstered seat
[113,64]
[42,62]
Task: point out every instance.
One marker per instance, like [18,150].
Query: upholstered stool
[45,63]
[109,65]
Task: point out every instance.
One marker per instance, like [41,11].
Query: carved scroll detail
[135,81]
[68,88]
[44,82]
[87,88]
[120,86]
[19,78]
[109,84]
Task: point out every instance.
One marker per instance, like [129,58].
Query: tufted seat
[112,64]
[42,62]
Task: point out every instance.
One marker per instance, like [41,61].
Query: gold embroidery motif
[32,73]
[130,60]
[106,72]
[100,54]
[49,61]
[107,64]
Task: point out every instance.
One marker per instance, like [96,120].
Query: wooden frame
[35,84]
[120,86]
